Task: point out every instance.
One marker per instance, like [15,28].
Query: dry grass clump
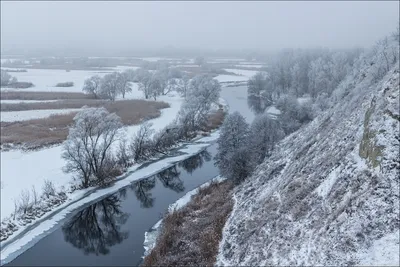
[215,119]
[191,235]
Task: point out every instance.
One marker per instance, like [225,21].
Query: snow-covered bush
[87,149]
[293,114]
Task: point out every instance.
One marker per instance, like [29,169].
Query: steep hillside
[329,194]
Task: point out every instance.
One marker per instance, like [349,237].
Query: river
[111,231]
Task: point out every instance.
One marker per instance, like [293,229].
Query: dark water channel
[111,231]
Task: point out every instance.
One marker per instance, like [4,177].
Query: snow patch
[10,116]
[383,252]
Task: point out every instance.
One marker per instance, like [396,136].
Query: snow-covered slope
[329,194]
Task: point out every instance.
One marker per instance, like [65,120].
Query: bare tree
[141,142]
[87,149]
[48,188]
[25,203]
[123,156]
[92,85]
[34,195]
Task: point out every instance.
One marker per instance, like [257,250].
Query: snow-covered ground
[122,68]
[46,80]
[223,78]
[250,65]
[273,111]
[10,116]
[383,252]
[246,73]
[24,101]
[80,198]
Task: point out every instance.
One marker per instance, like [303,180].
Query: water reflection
[195,162]
[170,179]
[98,227]
[142,190]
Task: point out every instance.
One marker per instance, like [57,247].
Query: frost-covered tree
[203,92]
[157,84]
[183,85]
[143,78]
[87,149]
[6,78]
[124,79]
[92,85]
[233,156]
[259,92]
[111,86]
[293,114]
[265,132]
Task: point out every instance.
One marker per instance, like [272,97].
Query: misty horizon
[112,27]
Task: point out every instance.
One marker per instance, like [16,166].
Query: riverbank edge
[60,201]
[150,237]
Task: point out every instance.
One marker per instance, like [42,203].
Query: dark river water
[111,231]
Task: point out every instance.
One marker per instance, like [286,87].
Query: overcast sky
[233,25]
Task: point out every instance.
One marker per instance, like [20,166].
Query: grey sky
[233,25]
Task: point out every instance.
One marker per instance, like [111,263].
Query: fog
[111,26]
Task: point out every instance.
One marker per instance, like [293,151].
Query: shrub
[65,84]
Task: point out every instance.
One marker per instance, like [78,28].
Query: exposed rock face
[329,194]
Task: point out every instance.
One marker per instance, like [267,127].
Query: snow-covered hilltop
[329,194]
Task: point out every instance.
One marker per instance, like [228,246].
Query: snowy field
[19,101]
[46,79]
[246,73]
[250,65]
[244,76]
[223,78]
[10,116]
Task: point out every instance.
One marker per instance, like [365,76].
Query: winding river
[111,231]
